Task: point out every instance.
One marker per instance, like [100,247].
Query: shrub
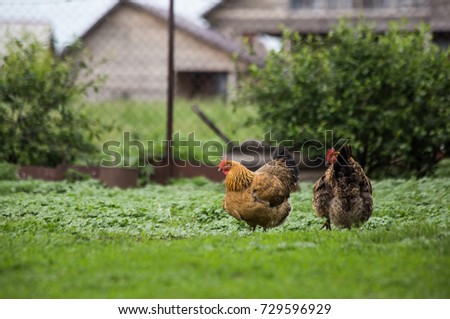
[8,172]
[72,175]
[388,94]
[39,123]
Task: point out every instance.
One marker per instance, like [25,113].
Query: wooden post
[230,144]
[170,88]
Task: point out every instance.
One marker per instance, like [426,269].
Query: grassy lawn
[81,240]
[146,121]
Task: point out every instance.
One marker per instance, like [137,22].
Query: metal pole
[170,89]
[212,126]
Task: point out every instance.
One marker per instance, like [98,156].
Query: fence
[127,43]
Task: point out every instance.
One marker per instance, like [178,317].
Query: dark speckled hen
[343,195]
[260,198]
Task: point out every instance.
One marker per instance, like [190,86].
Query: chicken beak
[335,153]
[219,169]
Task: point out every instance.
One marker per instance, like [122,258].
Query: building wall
[121,48]
[311,16]
[134,45]
[440,22]
[194,55]
[440,13]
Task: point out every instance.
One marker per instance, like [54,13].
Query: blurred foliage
[139,130]
[72,176]
[443,168]
[38,123]
[387,94]
[8,171]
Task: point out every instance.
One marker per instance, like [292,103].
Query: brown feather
[259,198]
[238,178]
[343,195]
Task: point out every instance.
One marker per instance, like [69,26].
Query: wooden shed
[129,45]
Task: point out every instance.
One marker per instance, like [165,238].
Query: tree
[40,119]
[387,94]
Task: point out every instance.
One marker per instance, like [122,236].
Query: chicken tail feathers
[282,153]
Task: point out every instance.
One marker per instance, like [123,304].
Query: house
[252,17]
[129,44]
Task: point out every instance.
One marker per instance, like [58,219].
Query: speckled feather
[344,196]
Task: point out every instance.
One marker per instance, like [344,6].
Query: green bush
[39,124]
[72,176]
[388,94]
[8,172]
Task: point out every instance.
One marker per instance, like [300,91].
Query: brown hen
[260,197]
[343,195]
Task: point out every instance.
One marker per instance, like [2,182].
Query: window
[333,4]
[423,3]
[404,3]
[338,4]
[374,4]
[370,4]
[302,4]
[201,84]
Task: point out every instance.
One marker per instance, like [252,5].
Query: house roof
[218,5]
[209,36]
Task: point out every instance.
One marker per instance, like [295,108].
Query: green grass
[146,121]
[81,240]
